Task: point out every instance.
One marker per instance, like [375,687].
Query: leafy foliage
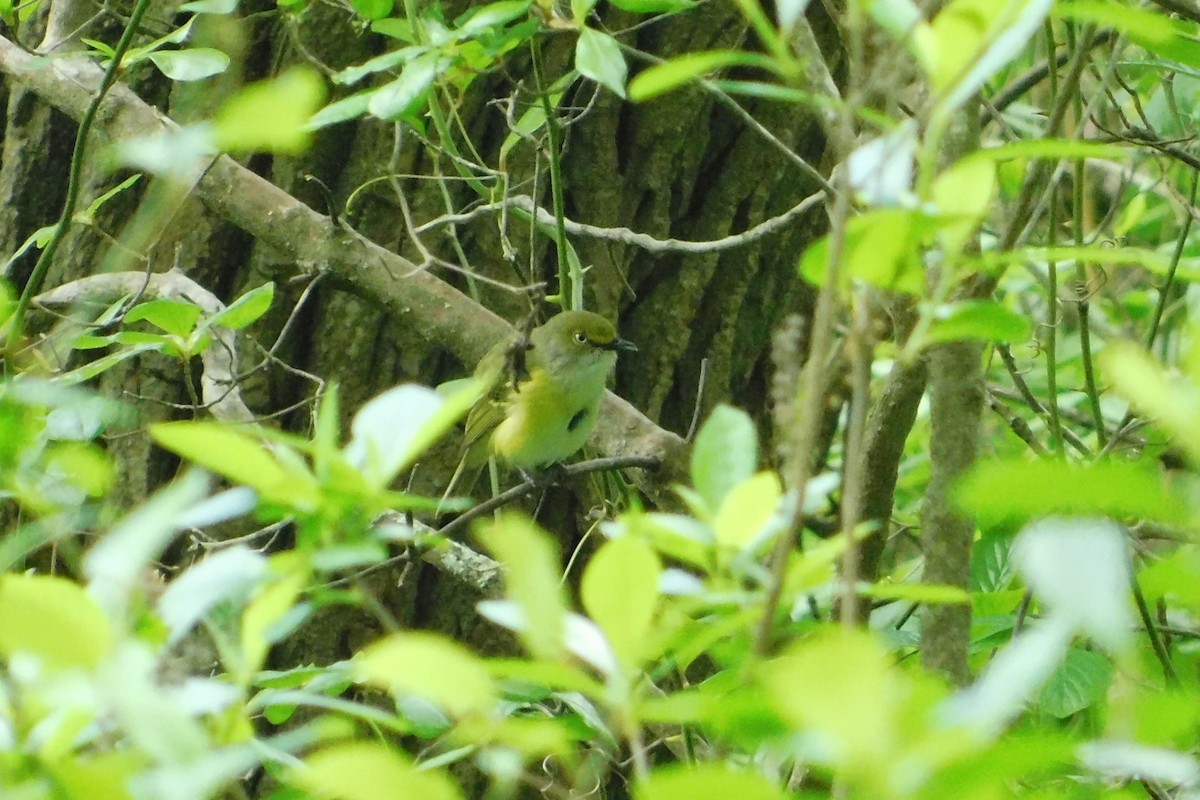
[699,655]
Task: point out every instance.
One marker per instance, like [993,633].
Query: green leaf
[431,666]
[485,17]
[598,56]
[972,40]
[237,456]
[1081,681]
[194,64]
[746,511]
[882,248]
[1169,38]
[90,214]
[675,535]
[210,6]
[394,428]
[725,454]
[368,771]
[998,491]
[977,319]
[926,593]
[532,580]
[272,604]
[963,195]
[347,108]
[670,75]
[402,96]
[1171,401]
[227,574]
[173,316]
[653,6]
[246,310]
[1050,148]
[713,780]
[53,618]
[620,593]
[373,9]
[840,686]
[271,115]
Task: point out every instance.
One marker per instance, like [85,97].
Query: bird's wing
[496,374]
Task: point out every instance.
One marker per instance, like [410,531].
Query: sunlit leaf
[725,454]
[678,71]
[620,592]
[370,771]
[53,618]
[680,782]
[977,319]
[998,490]
[429,666]
[533,572]
[747,509]
[271,115]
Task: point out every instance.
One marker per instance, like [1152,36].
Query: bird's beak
[621,344]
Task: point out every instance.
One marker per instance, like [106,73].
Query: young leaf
[431,666]
[532,580]
[709,780]
[997,491]
[271,115]
[620,592]
[725,454]
[401,96]
[746,510]
[193,64]
[53,618]
[598,56]
[246,310]
[670,75]
[977,319]
[363,770]
[238,457]
[173,316]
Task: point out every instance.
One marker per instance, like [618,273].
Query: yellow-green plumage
[542,411]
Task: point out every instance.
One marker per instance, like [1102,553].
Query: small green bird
[544,393]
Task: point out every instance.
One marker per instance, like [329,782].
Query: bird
[542,393]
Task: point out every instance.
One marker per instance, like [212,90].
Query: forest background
[897,498]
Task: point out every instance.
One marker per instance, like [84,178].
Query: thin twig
[34,285]
[531,486]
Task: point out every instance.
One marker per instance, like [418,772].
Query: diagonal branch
[314,243]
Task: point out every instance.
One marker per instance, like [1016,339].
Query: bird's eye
[580,337]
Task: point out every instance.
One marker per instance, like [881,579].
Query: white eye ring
[580,337]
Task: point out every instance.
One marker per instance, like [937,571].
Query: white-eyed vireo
[543,393]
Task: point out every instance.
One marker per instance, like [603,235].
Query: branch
[218,386]
[627,236]
[531,486]
[265,211]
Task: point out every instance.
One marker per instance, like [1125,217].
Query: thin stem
[570,286]
[1051,349]
[34,285]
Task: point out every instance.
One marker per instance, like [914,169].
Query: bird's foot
[542,477]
